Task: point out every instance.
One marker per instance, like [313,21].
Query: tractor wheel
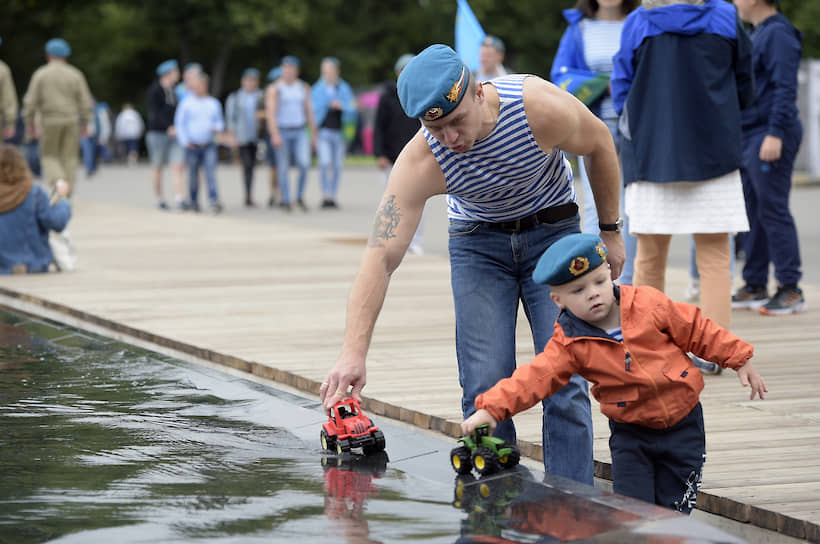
[328,442]
[463,494]
[512,458]
[342,446]
[460,460]
[485,461]
[377,445]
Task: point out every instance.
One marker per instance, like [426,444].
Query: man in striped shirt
[497,151]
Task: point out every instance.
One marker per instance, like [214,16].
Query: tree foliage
[118,43]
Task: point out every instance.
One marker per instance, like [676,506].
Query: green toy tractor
[486,453]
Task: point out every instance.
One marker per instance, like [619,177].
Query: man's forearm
[363,307]
[605,181]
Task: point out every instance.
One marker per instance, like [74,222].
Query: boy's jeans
[491,271]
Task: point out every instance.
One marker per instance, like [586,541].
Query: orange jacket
[648,379]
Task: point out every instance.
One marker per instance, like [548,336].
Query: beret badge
[578,266]
[458,86]
[433,113]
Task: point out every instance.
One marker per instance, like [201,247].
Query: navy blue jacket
[680,79]
[24,232]
[776,51]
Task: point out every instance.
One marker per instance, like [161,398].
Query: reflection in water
[511,507]
[104,442]
[348,482]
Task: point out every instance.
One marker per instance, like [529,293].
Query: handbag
[63,250]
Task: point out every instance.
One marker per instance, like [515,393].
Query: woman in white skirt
[679,81]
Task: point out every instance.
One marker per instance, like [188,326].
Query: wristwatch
[617,226]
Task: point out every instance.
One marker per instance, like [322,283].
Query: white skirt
[686,207]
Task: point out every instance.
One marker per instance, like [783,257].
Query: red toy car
[347,427]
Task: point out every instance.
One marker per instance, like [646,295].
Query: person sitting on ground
[632,344]
[26,216]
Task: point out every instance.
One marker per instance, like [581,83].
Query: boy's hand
[748,376]
[478,418]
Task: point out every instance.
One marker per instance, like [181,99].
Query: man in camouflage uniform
[8,101]
[59,92]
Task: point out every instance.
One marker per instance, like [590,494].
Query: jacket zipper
[655,388]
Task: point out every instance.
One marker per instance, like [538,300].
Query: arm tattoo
[384,226]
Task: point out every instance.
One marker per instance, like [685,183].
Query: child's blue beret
[166,67]
[433,83]
[569,258]
[250,72]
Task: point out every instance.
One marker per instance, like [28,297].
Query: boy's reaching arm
[531,383]
[478,418]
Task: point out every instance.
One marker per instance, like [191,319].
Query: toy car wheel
[460,460]
[377,445]
[328,442]
[485,461]
[342,446]
[512,458]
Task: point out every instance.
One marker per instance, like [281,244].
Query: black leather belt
[547,215]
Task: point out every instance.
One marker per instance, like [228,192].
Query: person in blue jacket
[772,133]
[680,79]
[27,216]
[582,66]
[334,106]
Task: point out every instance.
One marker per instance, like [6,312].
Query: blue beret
[433,83]
[494,42]
[569,258]
[275,73]
[402,62]
[250,72]
[166,67]
[58,47]
[290,59]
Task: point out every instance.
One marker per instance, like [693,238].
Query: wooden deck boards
[276,295]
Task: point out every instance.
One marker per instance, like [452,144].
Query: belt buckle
[517,225]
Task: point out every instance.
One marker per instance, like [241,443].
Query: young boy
[632,344]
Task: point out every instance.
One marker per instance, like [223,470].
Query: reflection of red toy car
[347,427]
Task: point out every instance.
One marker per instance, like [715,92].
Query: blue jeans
[296,145]
[331,152]
[205,157]
[491,271]
[591,213]
[772,234]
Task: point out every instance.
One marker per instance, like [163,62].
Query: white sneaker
[692,290]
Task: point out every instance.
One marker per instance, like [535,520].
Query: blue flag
[468,35]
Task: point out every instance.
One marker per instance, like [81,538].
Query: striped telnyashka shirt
[504,176]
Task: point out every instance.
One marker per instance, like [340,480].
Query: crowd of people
[676,111]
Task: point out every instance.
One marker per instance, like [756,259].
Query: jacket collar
[574,327]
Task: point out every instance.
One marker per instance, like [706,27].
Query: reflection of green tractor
[484,452]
